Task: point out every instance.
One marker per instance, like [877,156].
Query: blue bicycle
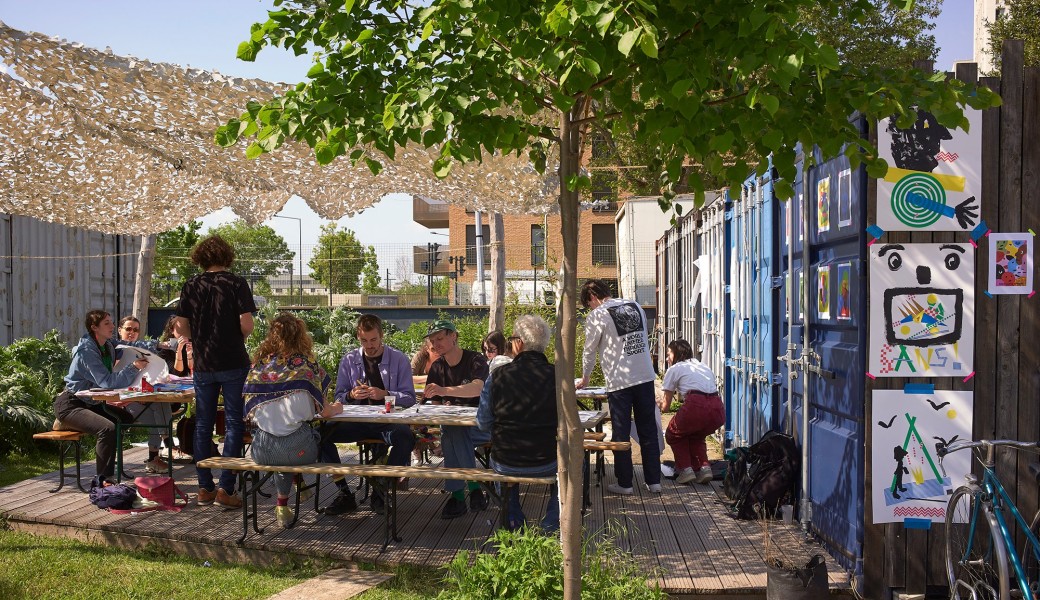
[980,545]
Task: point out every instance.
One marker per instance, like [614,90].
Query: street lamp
[299,254]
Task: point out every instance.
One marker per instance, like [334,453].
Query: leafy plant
[31,375]
[529,565]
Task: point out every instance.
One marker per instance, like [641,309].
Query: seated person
[129,332]
[368,375]
[285,388]
[518,408]
[425,439]
[457,378]
[175,347]
[701,413]
[92,361]
[497,350]
[422,361]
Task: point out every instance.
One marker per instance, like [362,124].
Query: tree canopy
[172,266]
[1019,20]
[259,252]
[341,263]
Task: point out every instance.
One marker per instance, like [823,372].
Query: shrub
[529,565]
[31,374]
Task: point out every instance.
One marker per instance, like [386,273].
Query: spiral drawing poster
[934,175]
[1010,263]
[908,479]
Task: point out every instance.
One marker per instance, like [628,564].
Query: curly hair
[212,252]
[286,336]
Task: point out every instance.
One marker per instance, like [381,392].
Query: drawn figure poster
[844,291]
[934,177]
[823,292]
[922,310]
[823,204]
[908,480]
[1010,263]
[845,198]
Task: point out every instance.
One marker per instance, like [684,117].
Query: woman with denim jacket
[92,362]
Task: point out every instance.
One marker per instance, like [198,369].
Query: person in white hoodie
[616,330]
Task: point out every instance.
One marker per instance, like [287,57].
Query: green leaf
[828,58]
[348,6]
[628,40]
[254,150]
[721,143]
[427,30]
[364,36]
[374,165]
[877,168]
[603,22]
[324,107]
[227,135]
[648,44]
[770,103]
[316,70]
[590,65]
[441,167]
[247,51]
[388,118]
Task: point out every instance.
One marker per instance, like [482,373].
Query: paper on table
[155,372]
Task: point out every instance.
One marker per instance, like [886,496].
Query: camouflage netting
[91,139]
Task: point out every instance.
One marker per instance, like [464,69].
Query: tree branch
[725,100]
[607,116]
[509,51]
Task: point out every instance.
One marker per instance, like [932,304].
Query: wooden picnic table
[596,394]
[436,414]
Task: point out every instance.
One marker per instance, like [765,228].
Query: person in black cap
[457,378]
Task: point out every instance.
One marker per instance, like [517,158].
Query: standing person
[616,330]
[701,413]
[518,408]
[284,390]
[218,309]
[92,361]
[457,378]
[370,375]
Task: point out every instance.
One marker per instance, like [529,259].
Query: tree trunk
[143,282]
[571,438]
[497,303]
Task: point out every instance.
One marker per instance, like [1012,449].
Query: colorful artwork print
[934,175]
[823,292]
[823,204]
[845,198]
[1010,263]
[922,310]
[908,480]
[844,291]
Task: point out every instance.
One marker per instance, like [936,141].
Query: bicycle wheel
[976,559]
[1030,564]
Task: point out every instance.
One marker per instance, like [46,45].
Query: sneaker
[226,500]
[687,475]
[478,500]
[655,488]
[454,508]
[614,488]
[305,494]
[205,497]
[283,515]
[157,465]
[343,503]
[705,475]
[378,504]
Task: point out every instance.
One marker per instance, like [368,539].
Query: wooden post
[143,281]
[497,302]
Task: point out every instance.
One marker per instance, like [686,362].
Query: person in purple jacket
[369,375]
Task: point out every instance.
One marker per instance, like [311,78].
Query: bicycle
[979,543]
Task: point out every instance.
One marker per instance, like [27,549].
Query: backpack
[111,496]
[771,469]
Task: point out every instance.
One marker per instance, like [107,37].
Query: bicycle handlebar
[943,449]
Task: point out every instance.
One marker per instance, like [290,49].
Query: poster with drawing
[1010,263]
[934,177]
[823,292]
[844,198]
[909,482]
[922,310]
[844,292]
[823,204]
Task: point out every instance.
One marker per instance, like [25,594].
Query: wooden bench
[383,478]
[66,440]
[599,446]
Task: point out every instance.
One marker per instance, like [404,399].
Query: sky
[206,33]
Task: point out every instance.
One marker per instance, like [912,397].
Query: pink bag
[161,490]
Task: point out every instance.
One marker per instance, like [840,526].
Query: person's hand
[581,383]
[337,408]
[662,404]
[141,363]
[377,393]
[360,392]
[432,389]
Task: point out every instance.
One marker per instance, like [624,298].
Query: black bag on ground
[116,496]
[771,468]
[784,582]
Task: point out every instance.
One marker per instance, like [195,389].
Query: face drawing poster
[1010,263]
[844,198]
[908,481]
[934,175]
[922,310]
[823,292]
[844,291]
[823,204]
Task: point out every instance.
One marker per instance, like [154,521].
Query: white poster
[908,480]
[934,177]
[922,310]
[1010,263]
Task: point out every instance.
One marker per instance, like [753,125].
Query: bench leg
[62,449]
[586,499]
[300,489]
[250,483]
[388,487]
[79,480]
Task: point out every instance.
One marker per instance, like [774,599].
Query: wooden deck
[682,534]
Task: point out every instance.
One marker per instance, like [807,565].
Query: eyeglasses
[132,329]
[513,338]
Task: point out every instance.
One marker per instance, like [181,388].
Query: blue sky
[206,33]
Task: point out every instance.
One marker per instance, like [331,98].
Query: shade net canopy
[91,139]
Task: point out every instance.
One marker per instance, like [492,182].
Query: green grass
[409,583]
[43,567]
[18,467]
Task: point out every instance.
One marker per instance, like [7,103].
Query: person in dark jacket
[518,407]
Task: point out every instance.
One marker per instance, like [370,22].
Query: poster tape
[875,231]
[919,388]
[981,230]
[987,291]
[911,523]
[871,375]
[970,375]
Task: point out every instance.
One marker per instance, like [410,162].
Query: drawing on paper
[844,291]
[908,480]
[922,310]
[845,198]
[823,292]
[823,204]
[1010,263]
[934,176]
